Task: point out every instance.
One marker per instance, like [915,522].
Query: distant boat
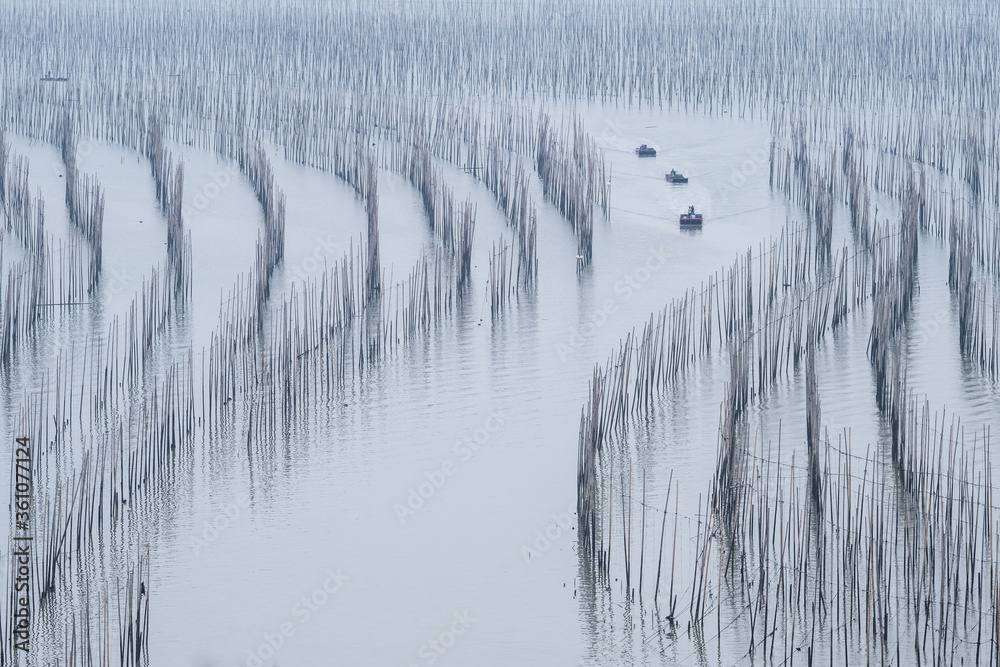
[645,151]
[674,177]
[691,219]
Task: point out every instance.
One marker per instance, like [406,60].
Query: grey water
[426,514]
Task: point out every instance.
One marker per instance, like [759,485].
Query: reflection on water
[322,497]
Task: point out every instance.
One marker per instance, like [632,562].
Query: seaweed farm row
[295,253]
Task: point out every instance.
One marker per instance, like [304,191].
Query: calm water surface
[320,556]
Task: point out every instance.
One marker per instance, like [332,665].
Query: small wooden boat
[674,177]
[645,151]
[691,219]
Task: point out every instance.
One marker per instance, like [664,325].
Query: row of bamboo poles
[77,493]
[571,169]
[624,52]
[168,181]
[84,201]
[893,565]
[445,85]
[48,274]
[858,566]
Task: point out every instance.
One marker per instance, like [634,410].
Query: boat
[691,219]
[674,177]
[645,151]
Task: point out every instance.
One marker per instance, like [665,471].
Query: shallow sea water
[318,556]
